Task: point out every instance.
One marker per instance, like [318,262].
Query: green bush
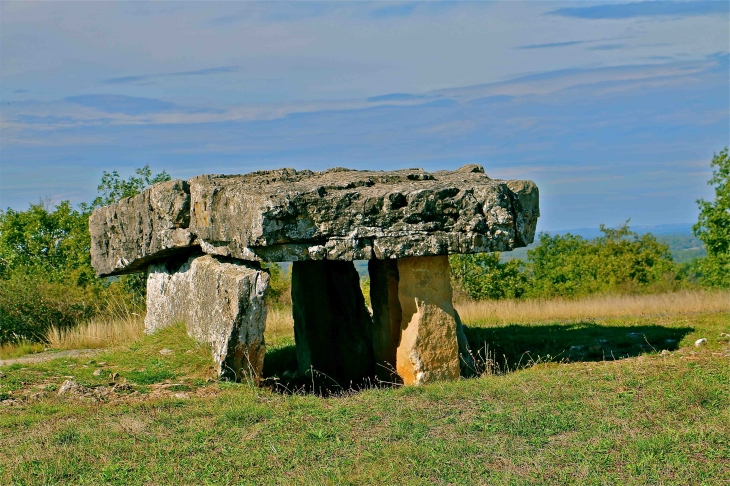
[30,304]
[483,276]
[279,292]
[620,261]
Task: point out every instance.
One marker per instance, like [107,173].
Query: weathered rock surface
[331,322]
[338,214]
[221,303]
[428,350]
[341,214]
[126,236]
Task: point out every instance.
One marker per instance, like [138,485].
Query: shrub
[279,292]
[483,276]
[620,261]
[30,304]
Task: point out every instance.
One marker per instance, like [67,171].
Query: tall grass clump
[591,307]
[121,323]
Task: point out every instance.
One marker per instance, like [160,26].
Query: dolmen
[201,243]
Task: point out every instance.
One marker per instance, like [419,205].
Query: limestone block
[220,302]
[428,349]
[126,236]
[331,322]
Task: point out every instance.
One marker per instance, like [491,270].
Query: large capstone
[331,322]
[337,214]
[221,303]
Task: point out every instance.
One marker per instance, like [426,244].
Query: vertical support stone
[428,349]
[331,322]
[386,315]
[415,324]
[220,302]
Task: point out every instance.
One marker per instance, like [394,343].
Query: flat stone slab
[337,214]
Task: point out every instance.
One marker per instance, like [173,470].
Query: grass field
[622,399]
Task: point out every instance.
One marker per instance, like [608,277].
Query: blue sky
[613,109]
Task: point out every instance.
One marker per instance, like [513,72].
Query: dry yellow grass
[279,322]
[102,332]
[15,350]
[525,311]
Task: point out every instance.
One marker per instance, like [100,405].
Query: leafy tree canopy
[113,187]
[713,225]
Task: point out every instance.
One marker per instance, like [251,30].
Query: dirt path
[49,355]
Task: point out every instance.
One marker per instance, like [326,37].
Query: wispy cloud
[552,44]
[395,97]
[607,47]
[110,109]
[128,105]
[149,78]
[396,10]
[645,9]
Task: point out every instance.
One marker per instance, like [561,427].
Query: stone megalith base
[416,294]
[331,322]
[220,302]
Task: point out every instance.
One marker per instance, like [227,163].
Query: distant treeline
[683,247]
[618,261]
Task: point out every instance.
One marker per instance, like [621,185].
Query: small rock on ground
[701,342]
[166,351]
[69,386]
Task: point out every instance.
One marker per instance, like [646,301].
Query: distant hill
[659,229]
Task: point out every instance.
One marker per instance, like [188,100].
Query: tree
[113,187]
[483,276]
[54,243]
[713,226]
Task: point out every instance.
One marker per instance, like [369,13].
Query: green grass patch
[643,418]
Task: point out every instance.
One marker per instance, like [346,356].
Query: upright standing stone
[415,326]
[428,349]
[386,315]
[221,303]
[331,322]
